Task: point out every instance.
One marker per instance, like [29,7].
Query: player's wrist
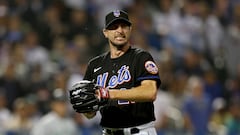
[103,96]
[104,93]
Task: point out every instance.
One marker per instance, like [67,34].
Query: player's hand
[89,115]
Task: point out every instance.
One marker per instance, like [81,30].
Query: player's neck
[117,52]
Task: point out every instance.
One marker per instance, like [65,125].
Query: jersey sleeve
[147,69]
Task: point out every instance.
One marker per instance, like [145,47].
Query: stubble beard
[118,46]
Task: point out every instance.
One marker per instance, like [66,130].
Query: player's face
[118,33]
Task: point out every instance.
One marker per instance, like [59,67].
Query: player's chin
[122,44]
[119,44]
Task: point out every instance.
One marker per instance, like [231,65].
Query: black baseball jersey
[124,72]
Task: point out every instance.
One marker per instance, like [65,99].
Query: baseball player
[129,81]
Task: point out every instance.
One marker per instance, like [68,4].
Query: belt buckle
[134,130]
[115,132]
[121,131]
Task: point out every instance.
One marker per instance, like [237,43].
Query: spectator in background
[184,31]
[57,121]
[57,52]
[16,29]
[5,113]
[162,104]
[29,11]
[233,88]
[11,85]
[81,42]
[217,124]
[191,62]
[88,126]
[101,8]
[221,9]
[17,55]
[212,86]
[197,108]
[233,122]
[34,113]
[76,4]
[36,55]
[50,25]
[169,119]
[232,43]
[20,122]
[211,31]
[82,25]
[165,20]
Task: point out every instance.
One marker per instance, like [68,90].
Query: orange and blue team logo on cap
[151,67]
[116,13]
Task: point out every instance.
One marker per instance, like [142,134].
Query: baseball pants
[145,129]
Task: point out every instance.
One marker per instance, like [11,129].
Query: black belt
[121,132]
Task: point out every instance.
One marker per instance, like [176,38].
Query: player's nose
[119,29]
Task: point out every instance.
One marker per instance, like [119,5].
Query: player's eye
[113,27]
[117,24]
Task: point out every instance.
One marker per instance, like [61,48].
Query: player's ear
[105,33]
[130,28]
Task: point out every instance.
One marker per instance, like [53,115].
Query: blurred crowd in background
[45,46]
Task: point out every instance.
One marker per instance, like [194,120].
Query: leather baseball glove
[85,96]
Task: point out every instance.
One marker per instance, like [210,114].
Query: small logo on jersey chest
[96,69]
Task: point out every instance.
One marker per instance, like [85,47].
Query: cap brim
[118,19]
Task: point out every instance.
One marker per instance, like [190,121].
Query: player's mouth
[120,37]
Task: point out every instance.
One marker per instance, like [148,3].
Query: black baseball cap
[115,16]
